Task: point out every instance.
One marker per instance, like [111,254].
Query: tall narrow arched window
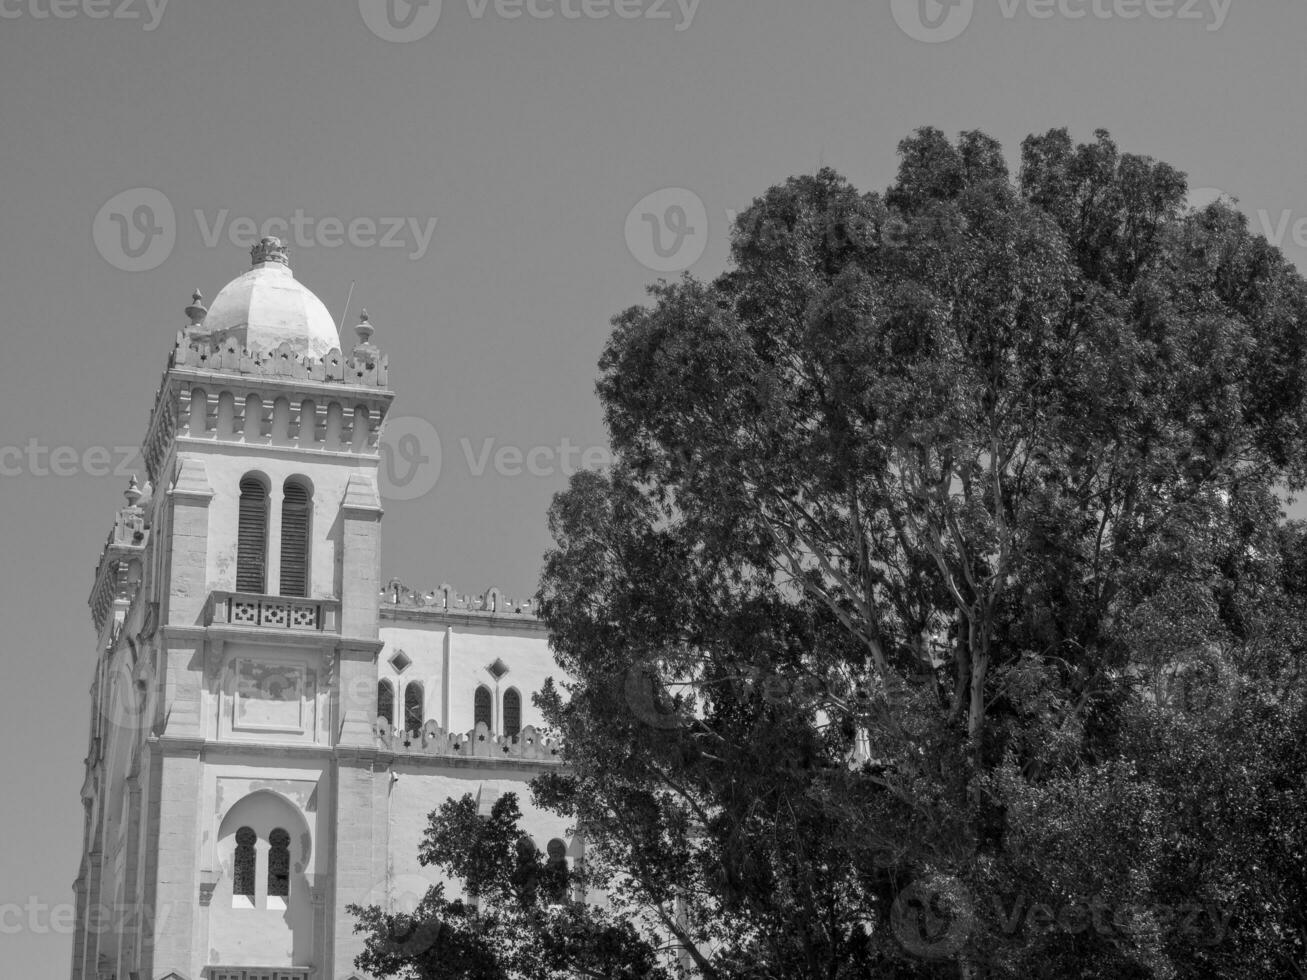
[512,711]
[386,702]
[279,864]
[481,707]
[414,713]
[243,864]
[295,512]
[252,536]
[555,883]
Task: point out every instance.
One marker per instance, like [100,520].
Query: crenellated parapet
[118,572]
[218,390]
[366,368]
[527,745]
[492,602]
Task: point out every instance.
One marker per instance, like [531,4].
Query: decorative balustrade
[258,972]
[272,612]
[528,744]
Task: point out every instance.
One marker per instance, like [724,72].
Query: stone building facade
[271,722]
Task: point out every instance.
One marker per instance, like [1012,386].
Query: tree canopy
[938,616]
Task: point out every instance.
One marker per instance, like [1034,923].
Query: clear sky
[530,140]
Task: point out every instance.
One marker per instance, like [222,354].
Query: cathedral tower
[270,725]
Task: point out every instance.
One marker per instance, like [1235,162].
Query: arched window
[279,864]
[414,715]
[252,536]
[386,702]
[512,712]
[243,875]
[526,850]
[295,512]
[556,871]
[481,707]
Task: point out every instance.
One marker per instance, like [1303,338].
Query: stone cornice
[263,636]
[289,387]
[338,388]
[390,759]
[207,748]
[463,617]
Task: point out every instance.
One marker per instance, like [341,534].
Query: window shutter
[414,716]
[252,537]
[481,707]
[279,864]
[512,712]
[295,541]
[243,883]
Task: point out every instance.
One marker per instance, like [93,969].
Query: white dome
[267,307]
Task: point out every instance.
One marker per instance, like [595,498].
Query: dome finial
[269,250]
[196,310]
[364,328]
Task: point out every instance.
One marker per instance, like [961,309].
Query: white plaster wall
[418,791]
[471,649]
[314,704]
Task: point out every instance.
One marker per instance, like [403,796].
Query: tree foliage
[943,547]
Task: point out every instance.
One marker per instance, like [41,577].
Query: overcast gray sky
[548,151]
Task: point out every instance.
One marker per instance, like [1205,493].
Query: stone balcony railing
[432,740]
[272,612]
